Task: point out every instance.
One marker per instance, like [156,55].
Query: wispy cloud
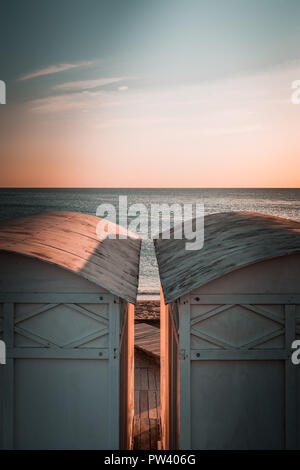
[88,84]
[55,69]
[60,103]
[235,107]
[84,101]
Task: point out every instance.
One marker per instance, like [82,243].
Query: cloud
[59,103]
[55,69]
[88,84]
[84,101]
[237,106]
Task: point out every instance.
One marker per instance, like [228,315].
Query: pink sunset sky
[203,118]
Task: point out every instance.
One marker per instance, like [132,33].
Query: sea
[279,202]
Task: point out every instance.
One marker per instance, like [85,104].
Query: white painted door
[56,386]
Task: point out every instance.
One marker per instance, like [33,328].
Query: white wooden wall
[60,388]
[238,387]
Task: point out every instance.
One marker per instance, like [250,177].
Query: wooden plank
[238,355]
[144,405]
[144,330]
[124,330]
[145,434]
[185,378]
[164,371]
[147,338]
[34,312]
[157,379]
[290,381]
[151,378]
[136,402]
[144,384]
[157,393]
[57,353]
[137,433]
[128,344]
[214,311]
[141,359]
[174,327]
[37,338]
[152,404]
[211,339]
[151,350]
[263,339]
[258,299]
[153,434]
[58,298]
[263,312]
[8,375]
[137,378]
[146,402]
[158,404]
[86,339]
[100,318]
[114,338]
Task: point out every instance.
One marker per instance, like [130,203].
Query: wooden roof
[147,338]
[69,240]
[231,240]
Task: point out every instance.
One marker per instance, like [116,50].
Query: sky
[149,93]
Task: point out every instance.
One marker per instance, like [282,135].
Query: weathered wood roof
[231,240]
[147,338]
[69,240]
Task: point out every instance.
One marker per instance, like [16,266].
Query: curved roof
[69,240]
[231,240]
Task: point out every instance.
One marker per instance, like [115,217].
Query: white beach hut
[67,318]
[230,314]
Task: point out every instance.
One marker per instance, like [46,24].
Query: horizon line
[149,187]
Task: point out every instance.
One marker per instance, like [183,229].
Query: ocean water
[278,202]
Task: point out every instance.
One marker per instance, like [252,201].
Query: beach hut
[67,318]
[229,315]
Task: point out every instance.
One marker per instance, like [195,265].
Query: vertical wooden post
[185,373]
[290,380]
[164,373]
[114,385]
[130,372]
[8,373]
